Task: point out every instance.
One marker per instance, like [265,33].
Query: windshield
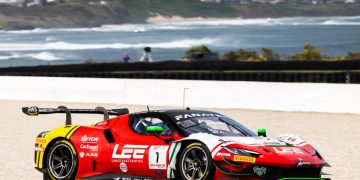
[218,125]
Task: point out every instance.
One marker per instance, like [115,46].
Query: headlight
[242,152]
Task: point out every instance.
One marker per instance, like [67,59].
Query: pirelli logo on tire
[247,159]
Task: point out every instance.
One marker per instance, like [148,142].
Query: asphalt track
[336,136]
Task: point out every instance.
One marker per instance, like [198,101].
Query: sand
[158,18]
[334,135]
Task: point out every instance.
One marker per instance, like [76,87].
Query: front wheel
[195,163]
[62,161]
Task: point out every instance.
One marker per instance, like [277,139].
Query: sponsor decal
[303,164]
[259,171]
[123,167]
[39,149]
[223,154]
[40,140]
[248,159]
[274,143]
[157,157]
[90,155]
[33,111]
[89,147]
[82,154]
[129,153]
[291,139]
[192,115]
[89,139]
[292,150]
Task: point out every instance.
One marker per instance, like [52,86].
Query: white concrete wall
[342,98]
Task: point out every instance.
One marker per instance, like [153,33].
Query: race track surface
[334,135]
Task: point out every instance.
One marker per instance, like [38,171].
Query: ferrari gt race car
[169,144]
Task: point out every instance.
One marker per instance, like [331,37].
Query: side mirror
[154,129]
[261,132]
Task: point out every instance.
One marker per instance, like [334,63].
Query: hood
[212,141]
[254,141]
[284,150]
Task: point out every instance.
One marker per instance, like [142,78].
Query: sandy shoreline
[334,135]
[157,19]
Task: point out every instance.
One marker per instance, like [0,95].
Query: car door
[142,153]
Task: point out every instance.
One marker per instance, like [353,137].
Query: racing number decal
[157,157]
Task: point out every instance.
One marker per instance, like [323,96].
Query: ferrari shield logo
[260,171]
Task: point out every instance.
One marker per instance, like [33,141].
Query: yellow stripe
[71,132]
[37,158]
[41,158]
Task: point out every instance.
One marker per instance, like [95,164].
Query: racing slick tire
[61,161]
[196,163]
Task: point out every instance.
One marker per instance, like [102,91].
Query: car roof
[173,111]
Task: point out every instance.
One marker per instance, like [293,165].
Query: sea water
[169,41]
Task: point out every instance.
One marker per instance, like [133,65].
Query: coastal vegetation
[197,49]
[84,13]
[309,53]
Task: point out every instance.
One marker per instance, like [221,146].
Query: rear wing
[35,111]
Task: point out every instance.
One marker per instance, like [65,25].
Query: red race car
[169,144]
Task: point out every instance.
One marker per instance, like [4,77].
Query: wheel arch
[48,147]
[184,144]
[60,133]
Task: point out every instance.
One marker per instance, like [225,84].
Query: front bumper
[272,172]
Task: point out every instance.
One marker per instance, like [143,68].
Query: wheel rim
[194,163]
[61,161]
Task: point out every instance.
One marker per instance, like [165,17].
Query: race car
[169,144]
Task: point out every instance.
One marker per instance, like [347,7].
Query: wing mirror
[157,130]
[154,129]
[261,132]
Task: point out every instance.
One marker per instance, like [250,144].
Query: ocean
[169,41]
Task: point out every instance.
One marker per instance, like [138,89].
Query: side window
[139,125]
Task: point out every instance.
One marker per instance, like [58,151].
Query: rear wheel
[195,163]
[62,161]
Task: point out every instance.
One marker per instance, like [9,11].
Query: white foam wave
[45,56]
[234,22]
[185,43]
[186,25]
[51,39]
[6,57]
[296,21]
[37,30]
[339,23]
[126,28]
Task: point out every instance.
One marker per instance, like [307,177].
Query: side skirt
[116,176]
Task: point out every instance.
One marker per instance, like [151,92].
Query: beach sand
[158,19]
[334,135]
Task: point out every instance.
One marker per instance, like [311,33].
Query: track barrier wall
[315,97]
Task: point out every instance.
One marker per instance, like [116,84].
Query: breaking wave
[185,43]
[104,28]
[191,24]
[44,56]
[339,23]
[296,21]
